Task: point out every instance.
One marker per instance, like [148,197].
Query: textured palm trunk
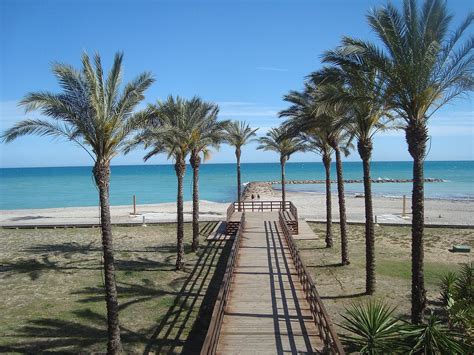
[417,136]
[239,182]
[180,168]
[365,152]
[342,208]
[327,167]
[283,181]
[102,179]
[195,161]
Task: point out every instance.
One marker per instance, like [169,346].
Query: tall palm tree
[316,141]
[239,133]
[425,66]
[303,121]
[93,113]
[277,140]
[207,132]
[358,88]
[170,131]
[333,120]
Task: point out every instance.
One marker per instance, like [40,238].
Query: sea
[28,188]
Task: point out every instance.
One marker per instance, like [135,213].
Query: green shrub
[375,330]
[432,338]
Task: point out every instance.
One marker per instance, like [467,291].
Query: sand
[163,212]
[311,206]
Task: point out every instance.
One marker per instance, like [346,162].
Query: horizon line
[170,164]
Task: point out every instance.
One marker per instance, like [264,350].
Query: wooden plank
[267,311]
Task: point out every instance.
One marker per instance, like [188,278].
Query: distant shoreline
[37,188]
[231,163]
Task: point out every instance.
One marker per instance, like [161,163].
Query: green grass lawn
[51,284]
[340,286]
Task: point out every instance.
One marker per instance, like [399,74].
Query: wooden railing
[294,211]
[256,206]
[230,211]
[328,335]
[212,337]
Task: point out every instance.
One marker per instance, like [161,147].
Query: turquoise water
[73,186]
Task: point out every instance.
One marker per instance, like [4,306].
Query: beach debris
[461,249]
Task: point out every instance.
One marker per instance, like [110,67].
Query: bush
[375,330]
[458,298]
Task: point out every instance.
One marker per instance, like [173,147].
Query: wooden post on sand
[404,214]
[134,205]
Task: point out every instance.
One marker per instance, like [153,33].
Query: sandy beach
[311,206]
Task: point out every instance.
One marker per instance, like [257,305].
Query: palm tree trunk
[283,181]
[180,168]
[342,208]
[102,179]
[195,163]
[365,152]
[417,136]
[327,166]
[239,182]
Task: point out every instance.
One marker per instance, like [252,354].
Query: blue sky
[243,55]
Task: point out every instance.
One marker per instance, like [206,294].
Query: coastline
[311,206]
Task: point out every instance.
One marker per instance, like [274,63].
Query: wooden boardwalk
[267,312]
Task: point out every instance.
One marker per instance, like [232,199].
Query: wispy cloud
[455,123]
[10,113]
[271,69]
[238,109]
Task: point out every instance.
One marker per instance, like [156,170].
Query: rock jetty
[266,187]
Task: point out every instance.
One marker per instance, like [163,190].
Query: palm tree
[277,140]
[316,141]
[92,113]
[207,133]
[239,133]
[425,66]
[334,119]
[303,121]
[358,88]
[170,131]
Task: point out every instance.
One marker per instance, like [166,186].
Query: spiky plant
[373,328]
[433,338]
[92,112]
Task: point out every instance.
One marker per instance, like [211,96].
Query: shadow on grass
[87,330]
[325,265]
[170,333]
[35,267]
[50,335]
[32,267]
[136,293]
[353,295]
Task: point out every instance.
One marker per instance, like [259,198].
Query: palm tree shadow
[169,335]
[353,295]
[51,335]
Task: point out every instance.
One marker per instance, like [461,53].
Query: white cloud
[237,109]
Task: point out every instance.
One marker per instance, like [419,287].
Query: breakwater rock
[257,188]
